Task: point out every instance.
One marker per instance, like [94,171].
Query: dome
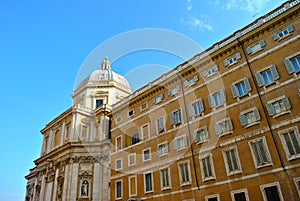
[105,74]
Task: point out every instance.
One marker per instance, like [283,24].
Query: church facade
[223,125]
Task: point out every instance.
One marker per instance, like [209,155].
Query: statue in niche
[85,188]
[59,190]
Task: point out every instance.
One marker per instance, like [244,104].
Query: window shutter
[215,68]
[211,101]
[259,79]
[191,110]
[186,83]
[286,103]
[201,105]
[169,92]
[161,96]
[172,119]
[270,109]
[243,120]
[262,150]
[247,84]
[249,50]
[205,73]
[168,148]
[275,36]
[218,129]
[229,123]
[274,72]
[179,116]
[255,152]
[290,28]
[262,43]
[223,95]
[256,114]
[226,62]
[206,132]
[238,56]
[234,91]
[177,88]
[153,100]
[176,144]
[196,78]
[158,151]
[289,66]
[186,141]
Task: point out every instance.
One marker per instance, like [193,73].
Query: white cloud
[251,6]
[197,23]
[189,5]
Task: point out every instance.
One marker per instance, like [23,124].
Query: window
[240,195]
[201,135]
[160,124]
[165,179]
[224,127]
[217,99]
[215,197]
[175,117]
[118,143]
[119,164]
[147,154]
[145,131]
[207,167]
[131,113]
[132,185]
[231,160]
[143,106]
[118,189]
[291,142]
[57,137]
[184,173]
[163,149]
[260,152]
[271,192]
[208,72]
[279,106]
[267,76]
[196,108]
[131,159]
[192,81]
[135,139]
[284,33]
[249,118]
[118,119]
[297,183]
[241,88]
[148,182]
[174,90]
[233,59]
[99,103]
[158,99]
[292,65]
[180,142]
[256,47]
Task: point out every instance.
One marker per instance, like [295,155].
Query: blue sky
[44,43]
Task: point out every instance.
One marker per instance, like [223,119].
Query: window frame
[169,178]
[185,142]
[238,162]
[289,29]
[244,190]
[174,118]
[116,190]
[219,127]
[166,143]
[121,142]
[192,81]
[130,111]
[182,183]
[281,100]
[143,108]
[212,196]
[142,131]
[243,118]
[143,151]
[289,64]
[252,50]
[121,164]
[174,90]
[210,71]
[211,161]
[235,91]
[284,144]
[158,129]
[96,103]
[233,59]
[212,98]
[274,72]
[200,106]
[296,180]
[262,189]
[134,159]
[129,185]
[206,132]
[267,152]
[158,99]
[152,183]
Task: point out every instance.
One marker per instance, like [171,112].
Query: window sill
[186,183]
[180,149]
[252,124]
[166,188]
[258,50]
[243,96]
[164,154]
[281,113]
[209,179]
[198,115]
[296,156]
[201,142]
[264,165]
[226,133]
[234,172]
[283,37]
[148,192]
